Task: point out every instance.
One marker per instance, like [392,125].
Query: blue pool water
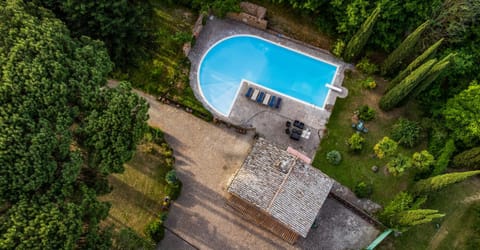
[256,60]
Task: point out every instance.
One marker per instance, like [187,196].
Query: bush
[423,161]
[155,230]
[369,83]
[444,157]
[398,165]
[173,191]
[385,147]
[222,7]
[366,113]
[363,190]
[406,132]
[366,66]
[356,142]
[468,159]
[334,157]
[338,48]
[171,178]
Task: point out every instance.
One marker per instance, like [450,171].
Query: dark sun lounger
[260,97]
[279,101]
[249,92]
[271,103]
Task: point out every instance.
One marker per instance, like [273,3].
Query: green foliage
[422,161]
[366,113]
[438,136]
[415,217]
[127,239]
[366,66]
[338,48]
[357,43]
[155,230]
[221,7]
[398,164]
[368,83]
[356,142]
[427,54]
[468,159]
[404,50]
[334,157]
[398,93]
[385,147]
[462,114]
[444,157]
[121,25]
[406,133]
[171,178]
[437,70]
[439,182]
[363,190]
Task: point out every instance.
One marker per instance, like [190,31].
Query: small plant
[338,48]
[334,157]
[423,161]
[385,147]
[406,132]
[369,83]
[171,178]
[363,190]
[366,113]
[398,165]
[173,191]
[366,66]
[356,142]
[155,230]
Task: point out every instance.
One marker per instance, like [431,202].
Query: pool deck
[268,122]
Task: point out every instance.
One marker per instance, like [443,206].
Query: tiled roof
[282,186]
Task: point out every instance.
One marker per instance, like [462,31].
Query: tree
[358,41]
[406,132]
[385,147]
[462,114]
[437,70]
[423,161]
[417,216]
[405,49]
[468,159]
[356,142]
[398,165]
[439,182]
[427,54]
[444,157]
[398,93]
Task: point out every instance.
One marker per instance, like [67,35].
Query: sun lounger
[279,101]
[266,99]
[271,102]
[249,92]
[260,97]
[255,94]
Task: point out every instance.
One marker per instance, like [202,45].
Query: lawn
[138,192]
[166,71]
[356,167]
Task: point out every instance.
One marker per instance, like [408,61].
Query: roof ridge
[269,207]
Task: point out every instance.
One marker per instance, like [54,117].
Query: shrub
[366,113]
[468,159]
[444,157]
[356,142]
[222,7]
[423,161]
[366,66]
[173,191]
[398,165]
[155,230]
[369,83]
[406,132]
[363,190]
[385,147]
[171,178]
[338,48]
[334,157]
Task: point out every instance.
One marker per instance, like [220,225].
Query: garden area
[138,194]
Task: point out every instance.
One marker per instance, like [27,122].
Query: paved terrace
[269,123]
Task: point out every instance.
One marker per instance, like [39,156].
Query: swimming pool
[262,62]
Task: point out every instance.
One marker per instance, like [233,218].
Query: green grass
[166,71]
[138,192]
[356,167]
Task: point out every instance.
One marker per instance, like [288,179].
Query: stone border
[215,30]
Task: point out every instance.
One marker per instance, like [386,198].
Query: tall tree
[444,157]
[427,54]
[468,159]
[439,182]
[435,73]
[358,41]
[417,216]
[405,49]
[397,94]
[462,114]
